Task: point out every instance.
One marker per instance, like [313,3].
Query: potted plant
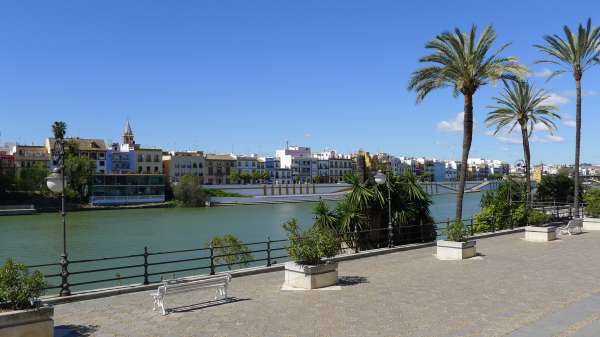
[20,311]
[456,246]
[538,229]
[308,270]
[591,221]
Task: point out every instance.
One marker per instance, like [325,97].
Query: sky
[246,76]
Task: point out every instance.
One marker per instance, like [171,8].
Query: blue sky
[246,76]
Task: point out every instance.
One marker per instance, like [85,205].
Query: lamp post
[56,183]
[381,179]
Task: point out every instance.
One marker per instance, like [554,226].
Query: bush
[484,220]
[18,288]
[592,200]
[230,250]
[456,231]
[310,246]
[189,192]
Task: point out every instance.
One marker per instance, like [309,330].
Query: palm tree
[464,63]
[576,54]
[325,217]
[59,129]
[521,104]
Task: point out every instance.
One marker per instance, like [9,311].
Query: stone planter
[25,323]
[591,224]
[310,276]
[452,250]
[540,234]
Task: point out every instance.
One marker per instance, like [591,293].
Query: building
[149,161]
[218,168]
[278,175]
[93,149]
[127,189]
[7,164]
[26,156]
[339,167]
[120,162]
[179,164]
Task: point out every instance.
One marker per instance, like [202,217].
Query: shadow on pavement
[345,281]
[205,305]
[74,330]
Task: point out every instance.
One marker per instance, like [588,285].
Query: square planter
[310,276]
[591,224]
[25,323]
[452,250]
[540,234]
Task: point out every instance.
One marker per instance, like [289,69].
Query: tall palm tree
[522,105]
[464,63]
[59,128]
[576,53]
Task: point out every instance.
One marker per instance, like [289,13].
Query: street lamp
[381,179]
[56,183]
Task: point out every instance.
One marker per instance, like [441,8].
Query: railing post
[146,265]
[493,222]
[64,275]
[212,259]
[472,229]
[421,229]
[355,238]
[268,251]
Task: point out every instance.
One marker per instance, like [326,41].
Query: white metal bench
[187,285]
[574,226]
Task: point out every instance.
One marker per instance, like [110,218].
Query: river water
[37,239]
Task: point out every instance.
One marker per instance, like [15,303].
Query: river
[37,239]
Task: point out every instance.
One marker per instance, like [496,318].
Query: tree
[189,192]
[555,188]
[576,53]
[32,179]
[78,173]
[464,63]
[522,105]
[231,251]
[325,217]
[234,177]
[59,129]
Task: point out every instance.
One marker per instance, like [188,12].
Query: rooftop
[514,288]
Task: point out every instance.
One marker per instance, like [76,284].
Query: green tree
[59,129]
[189,192]
[311,246]
[234,177]
[575,53]
[522,105]
[231,251]
[463,62]
[78,172]
[33,179]
[592,202]
[555,188]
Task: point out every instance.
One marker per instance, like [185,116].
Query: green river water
[37,239]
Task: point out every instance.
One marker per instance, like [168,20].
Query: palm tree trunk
[527,155]
[467,139]
[577,144]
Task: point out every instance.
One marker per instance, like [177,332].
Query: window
[140,158]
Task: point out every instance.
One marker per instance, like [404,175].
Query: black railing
[153,266]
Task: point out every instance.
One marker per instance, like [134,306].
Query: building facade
[218,168]
[27,156]
[179,164]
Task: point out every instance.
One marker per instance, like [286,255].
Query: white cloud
[455,125]
[544,73]
[556,99]
[584,93]
[307,135]
[506,137]
[567,120]
[547,139]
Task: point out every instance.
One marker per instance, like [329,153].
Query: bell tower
[128,135]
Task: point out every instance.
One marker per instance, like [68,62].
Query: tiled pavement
[515,288]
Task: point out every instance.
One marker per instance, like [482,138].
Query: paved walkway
[515,288]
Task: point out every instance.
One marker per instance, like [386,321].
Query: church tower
[128,135]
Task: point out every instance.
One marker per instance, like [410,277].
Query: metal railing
[148,266]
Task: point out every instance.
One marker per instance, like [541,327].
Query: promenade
[514,288]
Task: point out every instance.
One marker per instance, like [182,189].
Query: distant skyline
[244,77]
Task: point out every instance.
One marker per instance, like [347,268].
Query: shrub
[18,288]
[592,200]
[311,246]
[230,250]
[484,220]
[537,217]
[189,192]
[456,231]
